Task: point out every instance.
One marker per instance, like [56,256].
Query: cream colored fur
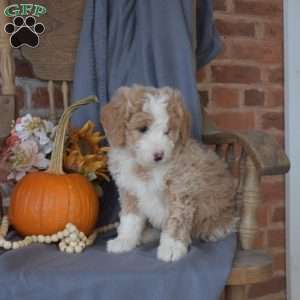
[188,193]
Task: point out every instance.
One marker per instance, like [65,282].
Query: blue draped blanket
[124,42]
[41,272]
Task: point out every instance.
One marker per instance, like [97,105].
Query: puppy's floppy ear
[113,117]
[185,119]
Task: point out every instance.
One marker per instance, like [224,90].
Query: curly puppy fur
[165,178]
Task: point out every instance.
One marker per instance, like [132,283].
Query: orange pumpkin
[44,202]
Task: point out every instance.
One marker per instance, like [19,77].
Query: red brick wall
[244,89]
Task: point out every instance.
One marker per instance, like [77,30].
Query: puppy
[164,177]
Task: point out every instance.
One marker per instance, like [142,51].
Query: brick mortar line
[245,108]
[274,179]
[226,38]
[239,85]
[249,17]
[244,62]
[238,18]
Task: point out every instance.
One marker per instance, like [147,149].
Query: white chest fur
[149,191]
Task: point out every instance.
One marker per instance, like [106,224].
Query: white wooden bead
[15,245]
[62,247]
[41,238]
[29,239]
[73,236]
[62,242]
[82,235]
[7,245]
[67,240]
[73,244]
[65,232]
[47,239]
[69,249]
[22,243]
[81,244]
[68,226]
[54,238]
[71,227]
[60,235]
[34,238]
[1,242]
[78,249]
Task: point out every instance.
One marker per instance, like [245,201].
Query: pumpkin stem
[56,162]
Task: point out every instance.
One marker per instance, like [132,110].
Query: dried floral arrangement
[26,149]
[26,152]
[29,146]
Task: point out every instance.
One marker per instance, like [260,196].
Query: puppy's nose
[158,156]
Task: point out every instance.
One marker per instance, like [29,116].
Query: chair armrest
[267,155]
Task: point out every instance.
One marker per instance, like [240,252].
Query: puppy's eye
[143,129]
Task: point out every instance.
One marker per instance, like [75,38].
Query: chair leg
[235,292]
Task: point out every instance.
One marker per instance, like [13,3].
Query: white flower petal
[23,135]
[26,118]
[43,140]
[41,162]
[46,149]
[11,176]
[20,175]
[19,127]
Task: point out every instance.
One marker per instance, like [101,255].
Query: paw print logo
[24,32]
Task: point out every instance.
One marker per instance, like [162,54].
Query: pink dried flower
[25,158]
[12,140]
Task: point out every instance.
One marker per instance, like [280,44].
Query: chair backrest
[54,59]
[7,75]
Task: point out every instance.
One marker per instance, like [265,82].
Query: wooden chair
[260,153]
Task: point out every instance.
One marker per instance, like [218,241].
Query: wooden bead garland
[70,240]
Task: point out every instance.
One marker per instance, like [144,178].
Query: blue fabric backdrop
[124,42]
[145,42]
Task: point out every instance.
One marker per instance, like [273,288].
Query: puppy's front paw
[119,245]
[170,249]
